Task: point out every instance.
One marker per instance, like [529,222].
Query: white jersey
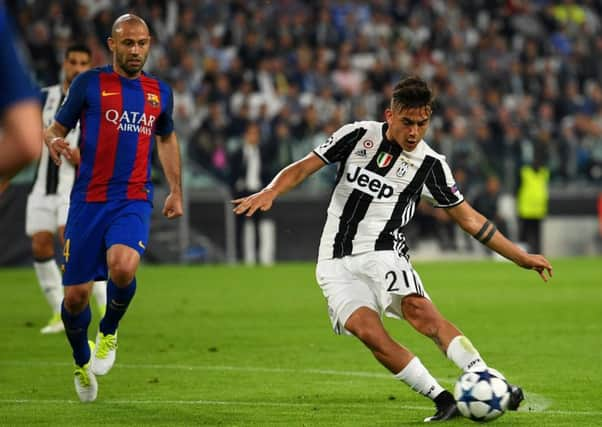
[50,178]
[378,186]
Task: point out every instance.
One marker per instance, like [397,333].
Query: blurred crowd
[514,79]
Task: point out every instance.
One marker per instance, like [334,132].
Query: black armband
[486,232]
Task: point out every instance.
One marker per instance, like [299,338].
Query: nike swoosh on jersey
[105,93]
[141,244]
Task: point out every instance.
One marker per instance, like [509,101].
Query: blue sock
[76,328]
[118,300]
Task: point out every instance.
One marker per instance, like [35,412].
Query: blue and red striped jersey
[118,119]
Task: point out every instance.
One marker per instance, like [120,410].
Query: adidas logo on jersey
[369,183]
[361,153]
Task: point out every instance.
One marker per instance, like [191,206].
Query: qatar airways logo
[131,121]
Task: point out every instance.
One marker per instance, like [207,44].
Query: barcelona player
[121,111]
[20,113]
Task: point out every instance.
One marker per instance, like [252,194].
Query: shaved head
[130,44]
[127,18]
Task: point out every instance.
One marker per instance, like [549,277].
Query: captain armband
[486,232]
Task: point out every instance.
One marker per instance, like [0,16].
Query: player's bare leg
[49,277]
[367,326]
[76,317]
[422,314]
[123,262]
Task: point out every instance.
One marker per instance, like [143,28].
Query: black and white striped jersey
[50,178]
[377,188]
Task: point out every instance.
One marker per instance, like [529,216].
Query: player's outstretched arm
[485,231]
[287,179]
[169,156]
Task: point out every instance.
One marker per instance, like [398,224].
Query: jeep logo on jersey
[369,182]
[131,121]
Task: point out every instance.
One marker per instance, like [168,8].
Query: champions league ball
[482,395]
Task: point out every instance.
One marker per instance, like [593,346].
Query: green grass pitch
[237,346]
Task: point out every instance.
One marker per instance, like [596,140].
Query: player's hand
[57,147]
[538,263]
[73,155]
[262,200]
[173,206]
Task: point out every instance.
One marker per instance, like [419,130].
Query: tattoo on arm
[486,232]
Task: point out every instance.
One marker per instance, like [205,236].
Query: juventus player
[48,202]
[363,264]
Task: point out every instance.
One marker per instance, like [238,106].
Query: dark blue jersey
[15,83]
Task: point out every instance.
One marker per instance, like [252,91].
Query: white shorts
[378,280]
[45,212]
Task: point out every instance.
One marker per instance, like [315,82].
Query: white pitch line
[223,403]
[534,403]
[216,368]
[391,405]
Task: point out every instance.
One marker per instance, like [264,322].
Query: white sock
[249,242]
[99,290]
[465,355]
[49,277]
[419,379]
[267,241]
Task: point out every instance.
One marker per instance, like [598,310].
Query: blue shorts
[92,228]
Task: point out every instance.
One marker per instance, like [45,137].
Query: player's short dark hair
[411,92]
[78,47]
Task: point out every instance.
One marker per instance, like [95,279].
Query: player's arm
[169,156]
[66,119]
[287,179]
[20,113]
[54,138]
[20,140]
[486,232]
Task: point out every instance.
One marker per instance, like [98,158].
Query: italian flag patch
[383,160]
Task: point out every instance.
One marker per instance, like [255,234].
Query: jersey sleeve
[340,144]
[15,83]
[440,187]
[165,120]
[73,104]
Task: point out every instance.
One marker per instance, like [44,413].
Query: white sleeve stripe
[456,203]
[324,159]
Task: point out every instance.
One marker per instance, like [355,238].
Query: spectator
[532,201]
[250,170]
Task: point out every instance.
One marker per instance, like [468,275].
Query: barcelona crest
[153,99]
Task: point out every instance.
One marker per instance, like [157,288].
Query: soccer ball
[482,395]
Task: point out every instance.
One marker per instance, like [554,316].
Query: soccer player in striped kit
[121,111]
[48,201]
[363,267]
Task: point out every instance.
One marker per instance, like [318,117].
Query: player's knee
[122,263]
[76,298]
[122,272]
[372,335]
